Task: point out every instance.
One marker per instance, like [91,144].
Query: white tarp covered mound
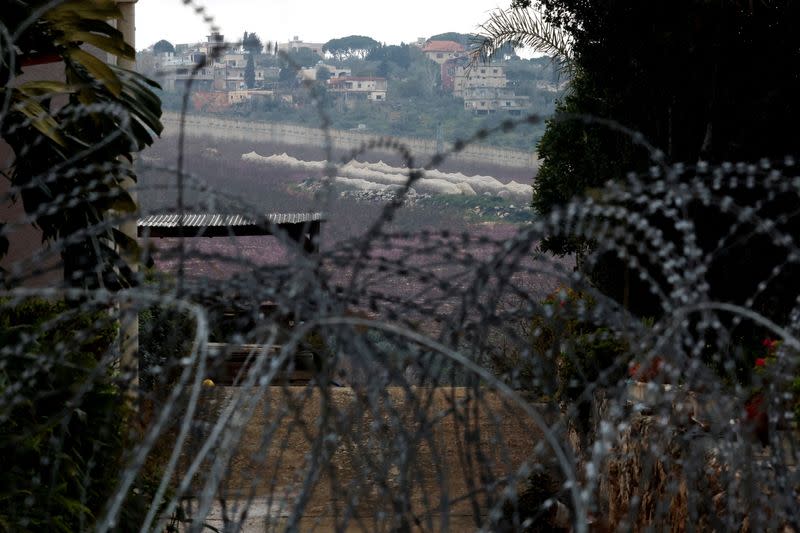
[284,160]
[467,184]
[381,174]
[518,189]
[363,185]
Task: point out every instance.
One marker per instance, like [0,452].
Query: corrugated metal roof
[302,227]
[207,220]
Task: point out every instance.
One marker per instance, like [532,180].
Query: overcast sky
[313,21]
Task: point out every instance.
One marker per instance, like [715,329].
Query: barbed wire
[403,378]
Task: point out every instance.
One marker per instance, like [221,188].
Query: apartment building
[353,89]
[467,77]
[487,100]
[296,44]
[310,73]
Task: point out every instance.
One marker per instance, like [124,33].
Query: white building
[353,89]
[296,44]
[310,73]
[487,100]
[470,77]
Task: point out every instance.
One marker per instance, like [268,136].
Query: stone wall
[229,128]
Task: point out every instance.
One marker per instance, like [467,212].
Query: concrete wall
[229,128]
[489,431]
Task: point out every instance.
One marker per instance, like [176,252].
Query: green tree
[70,191]
[63,452]
[464,39]
[400,55]
[707,89]
[293,61]
[288,73]
[250,72]
[83,443]
[303,57]
[419,83]
[534,69]
[351,46]
[252,44]
[323,74]
[383,69]
[163,47]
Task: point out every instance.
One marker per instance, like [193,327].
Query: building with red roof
[441,51]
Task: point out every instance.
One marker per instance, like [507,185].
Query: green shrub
[593,357]
[567,350]
[165,335]
[62,416]
[584,351]
[65,423]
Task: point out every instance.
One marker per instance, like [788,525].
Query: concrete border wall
[229,128]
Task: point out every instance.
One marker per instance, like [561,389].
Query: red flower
[761,361]
[755,406]
[769,343]
[756,417]
[649,372]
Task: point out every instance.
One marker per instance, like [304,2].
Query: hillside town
[351,70]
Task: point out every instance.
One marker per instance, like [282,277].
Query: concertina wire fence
[442,389]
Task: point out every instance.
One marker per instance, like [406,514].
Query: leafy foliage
[296,59]
[108,108]
[250,72]
[252,43]
[165,335]
[63,439]
[583,350]
[400,55]
[323,74]
[696,91]
[522,26]
[163,47]
[464,39]
[350,46]
[61,448]
[707,79]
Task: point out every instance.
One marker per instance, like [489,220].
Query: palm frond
[110,113]
[522,27]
